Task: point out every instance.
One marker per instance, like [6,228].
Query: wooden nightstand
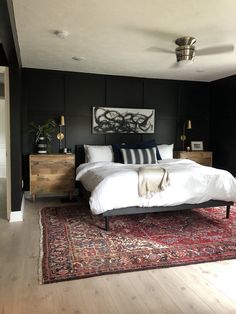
[52,173]
[202,157]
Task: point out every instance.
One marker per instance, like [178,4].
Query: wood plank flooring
[202,288]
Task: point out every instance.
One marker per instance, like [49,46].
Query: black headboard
[79,155]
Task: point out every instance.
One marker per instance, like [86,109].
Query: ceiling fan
[186,51]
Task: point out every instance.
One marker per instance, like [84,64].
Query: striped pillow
[139,156]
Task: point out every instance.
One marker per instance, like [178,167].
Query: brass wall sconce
[60,135]
[187,125]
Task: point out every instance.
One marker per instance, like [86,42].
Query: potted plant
[43,135]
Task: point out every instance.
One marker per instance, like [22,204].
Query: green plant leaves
[44,130]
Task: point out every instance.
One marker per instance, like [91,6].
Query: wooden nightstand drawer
[201,157]
[51,173]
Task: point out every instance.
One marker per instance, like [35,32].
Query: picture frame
[196,145]
[123,120]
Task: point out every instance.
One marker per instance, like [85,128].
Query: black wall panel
[48,94]
[194,104]
[223,111]
[15,123]
[124,92]
[82,92]
[163,96]
[44,100]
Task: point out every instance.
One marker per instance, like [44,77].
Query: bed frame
[79,153]
[145,210]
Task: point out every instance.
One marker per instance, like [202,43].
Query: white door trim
[5,71]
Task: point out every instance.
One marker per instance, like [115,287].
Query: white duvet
[114,185]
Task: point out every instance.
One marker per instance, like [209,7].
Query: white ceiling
[121,37]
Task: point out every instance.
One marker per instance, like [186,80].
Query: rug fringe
[40,270]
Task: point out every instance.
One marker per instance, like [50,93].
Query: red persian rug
[75,245]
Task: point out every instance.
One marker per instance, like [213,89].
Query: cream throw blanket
[152,180]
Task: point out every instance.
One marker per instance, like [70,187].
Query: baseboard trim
[18,215]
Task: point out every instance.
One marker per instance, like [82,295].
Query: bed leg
[227,211]
[106,223]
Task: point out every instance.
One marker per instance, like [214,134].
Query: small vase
[42,146]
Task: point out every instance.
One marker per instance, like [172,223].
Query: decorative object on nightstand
[60,134]
[42,146]
[43,135]
[52,173]
[202,157]
[187,125]
[197,145]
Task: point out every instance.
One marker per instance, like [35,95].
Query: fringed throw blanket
[152,180]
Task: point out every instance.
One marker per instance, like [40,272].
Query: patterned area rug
[75,245]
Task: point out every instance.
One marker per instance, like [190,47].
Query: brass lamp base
[60,136]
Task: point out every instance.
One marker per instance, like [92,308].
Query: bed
[113,187]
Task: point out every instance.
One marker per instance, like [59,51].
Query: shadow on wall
[3,197]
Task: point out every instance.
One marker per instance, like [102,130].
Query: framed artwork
[122,120]
[197,145]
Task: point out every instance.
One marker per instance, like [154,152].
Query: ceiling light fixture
[61,34]
[185,53]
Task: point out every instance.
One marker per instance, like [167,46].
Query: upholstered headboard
[79,155]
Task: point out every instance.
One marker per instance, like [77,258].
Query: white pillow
[166,151]
[94,153]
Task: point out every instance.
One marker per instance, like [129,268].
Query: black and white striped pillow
[139,156]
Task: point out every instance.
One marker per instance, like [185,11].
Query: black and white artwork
[123,120]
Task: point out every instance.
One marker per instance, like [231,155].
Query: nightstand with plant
[50,172]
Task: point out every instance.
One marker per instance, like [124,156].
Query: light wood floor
[202,288]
